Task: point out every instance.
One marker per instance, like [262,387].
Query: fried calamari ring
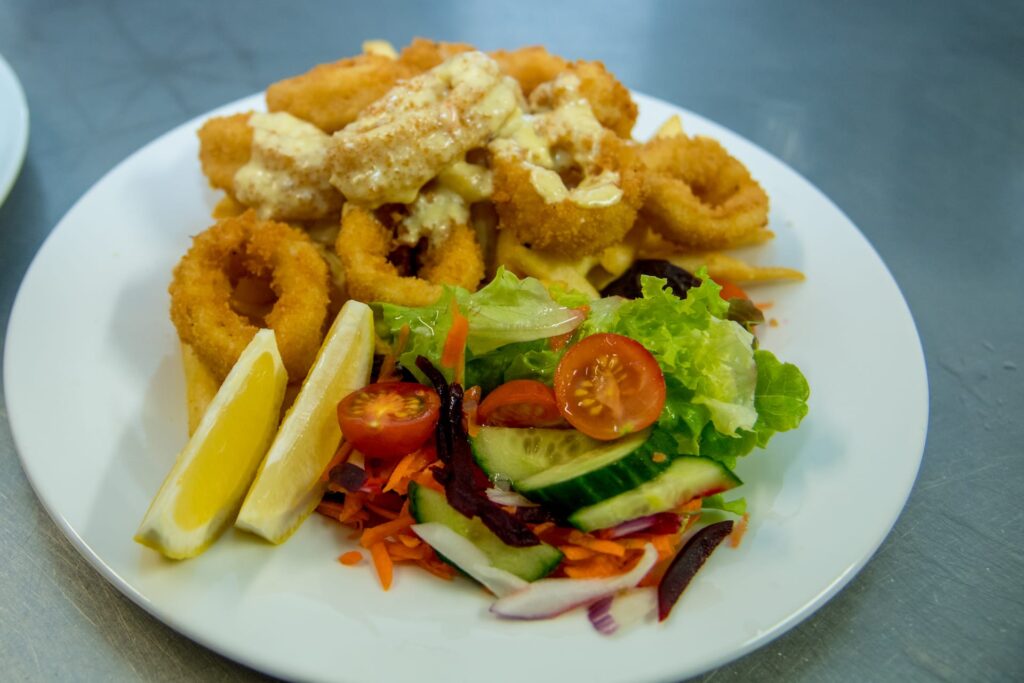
[612,104]
[245,247]
[364,244]
[423,55]
[404,140]
[330,96]
[275,163]
[531,65]
[552,212]
[225,145]
[699,196]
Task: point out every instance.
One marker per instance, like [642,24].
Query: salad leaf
[508,311]
[523,360]
[718,502]
[707,354]
[511,310]
[428,329]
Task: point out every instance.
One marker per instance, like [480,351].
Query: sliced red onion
[618,612]
[469,558]
[502,497]
[669,521]
[550,597]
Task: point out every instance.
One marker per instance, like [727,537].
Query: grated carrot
[575,553]
[597,544]
[382,563]
[598,566]
[409,541]
[376,534]
[351,558]
[738,531]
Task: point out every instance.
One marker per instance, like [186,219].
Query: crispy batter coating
[699,196]
[225,145]
[612,104]
[364,244]
[248,248]
[568,226]
[274,163]
[422,55]
[330,96]
[425,123]
[531,65]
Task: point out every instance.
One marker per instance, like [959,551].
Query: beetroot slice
[686,563]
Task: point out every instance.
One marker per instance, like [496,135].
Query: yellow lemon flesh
[204,490]
[288,486]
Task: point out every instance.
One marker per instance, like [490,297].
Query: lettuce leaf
[697,346]
[507,311]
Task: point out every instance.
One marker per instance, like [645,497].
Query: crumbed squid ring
[541,210]
[364,244]
[700,197]
[202,306]
[331,96]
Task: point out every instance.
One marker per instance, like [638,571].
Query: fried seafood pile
[384,176]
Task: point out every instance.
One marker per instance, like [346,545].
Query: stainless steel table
[910,116]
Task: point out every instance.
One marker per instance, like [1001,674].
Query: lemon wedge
[205,488]
[288,486]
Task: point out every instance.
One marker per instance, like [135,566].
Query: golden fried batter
[225,145]
[246,248]
[584,219]
[699,196]
[609,99]
[531,66]
[422,55]
[402,141]
[364,244]
[330,96]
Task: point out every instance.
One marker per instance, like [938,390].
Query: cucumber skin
[492,445]
[649,498]
[623,475]
[530,563]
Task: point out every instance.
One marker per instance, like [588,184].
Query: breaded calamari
[204,307]
[701,197]
[330,96]
[365,243]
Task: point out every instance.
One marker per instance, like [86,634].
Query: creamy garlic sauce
[562,132]
[422,125]
[287,175]
[433,215]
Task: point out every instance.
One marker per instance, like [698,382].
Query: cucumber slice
[520,453]
[687,477]
[590,476]
[530,564]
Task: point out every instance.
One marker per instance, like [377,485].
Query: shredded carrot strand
[738,531]
[455,343]
[382,511]
[377,534]
[597,544]
[575,553]
[382,563]
[351,558]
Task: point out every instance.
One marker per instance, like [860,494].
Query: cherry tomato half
[608,386]
[521,403]
[389,419]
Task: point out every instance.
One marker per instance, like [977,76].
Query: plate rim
[258,660]
[11,169]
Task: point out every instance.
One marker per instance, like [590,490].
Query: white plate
[96,401]
[13,128]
